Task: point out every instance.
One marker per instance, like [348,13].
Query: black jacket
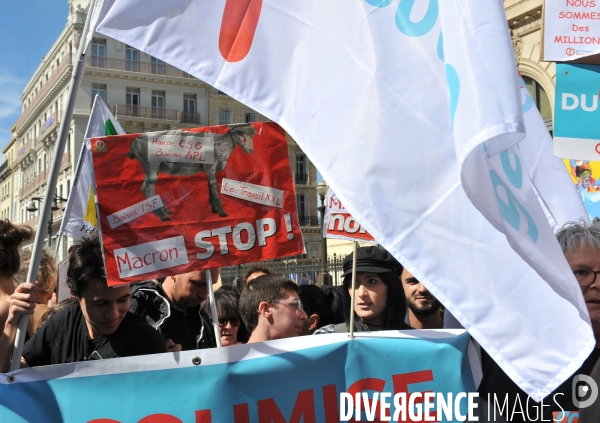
[192,328]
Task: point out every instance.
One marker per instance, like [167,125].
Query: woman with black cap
[379,302]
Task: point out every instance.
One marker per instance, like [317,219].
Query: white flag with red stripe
[411,111]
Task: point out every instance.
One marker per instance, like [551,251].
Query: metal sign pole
[57,245]
[353,294]
[213,308]
[46,206]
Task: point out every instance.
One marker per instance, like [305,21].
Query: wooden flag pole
[353,292]
[46,206]
[213,308]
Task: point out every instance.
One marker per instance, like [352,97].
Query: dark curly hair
[85,263]
[11,237]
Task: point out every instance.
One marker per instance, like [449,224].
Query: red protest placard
[176,201]
[340,224]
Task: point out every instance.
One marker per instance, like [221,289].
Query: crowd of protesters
[174,314]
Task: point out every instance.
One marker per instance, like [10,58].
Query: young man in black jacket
[98,327]
[173,308]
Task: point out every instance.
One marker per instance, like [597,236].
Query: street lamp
[324,277]
[31,208]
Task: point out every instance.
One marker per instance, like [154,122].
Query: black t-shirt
[63,339]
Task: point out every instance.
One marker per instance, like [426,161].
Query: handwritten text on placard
[175,148]
[151,256]
[256,193]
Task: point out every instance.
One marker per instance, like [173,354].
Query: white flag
[411,111]
[79,220]
[547,171]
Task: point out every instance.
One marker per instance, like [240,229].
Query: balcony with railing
[301,178]
[190,117]
[136,66]
[41,178]
[124,110]
[309,220]
[47,86]
[51,123]
[33,183]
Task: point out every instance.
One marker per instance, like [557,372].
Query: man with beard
[423,308]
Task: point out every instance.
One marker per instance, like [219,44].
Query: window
[132,59]
[100,91]
[541,100]
[301,173]
[157,66]
[45,161]
[68,187]
[189,109]
[158,99]
[39,169]
[250,117]
[98,53]
[224,117]
[302,209]
[132,100]
[158,104]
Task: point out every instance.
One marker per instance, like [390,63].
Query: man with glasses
[271,309]
[172,307]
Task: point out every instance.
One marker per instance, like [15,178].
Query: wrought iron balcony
[136,66]
[190,117]
[301,178]
[156,113]
[308,220]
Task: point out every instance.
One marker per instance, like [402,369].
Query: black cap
[374,260]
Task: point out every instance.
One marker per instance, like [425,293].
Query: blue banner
[576,129]
[292,380]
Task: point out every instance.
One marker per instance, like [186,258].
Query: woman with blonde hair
[47,278]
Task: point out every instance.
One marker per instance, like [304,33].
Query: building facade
[144,93]
[524,19]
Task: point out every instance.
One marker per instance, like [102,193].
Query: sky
[28,30]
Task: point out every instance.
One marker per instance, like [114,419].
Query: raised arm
[22,301]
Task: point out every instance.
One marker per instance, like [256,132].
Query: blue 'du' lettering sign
[576,112]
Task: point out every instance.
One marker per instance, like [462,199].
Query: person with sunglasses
[233,331]
[271,309]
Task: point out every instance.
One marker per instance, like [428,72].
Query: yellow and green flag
[79,220]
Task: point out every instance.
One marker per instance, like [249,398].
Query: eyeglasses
[585,277]
[295,305]
[234,321]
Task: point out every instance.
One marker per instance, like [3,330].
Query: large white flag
[411,110]
[79,220]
